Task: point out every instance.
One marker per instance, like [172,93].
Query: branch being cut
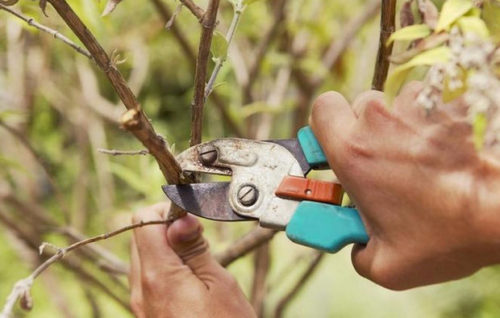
[208,25]
[22,288]
[134,119]
[247,243]
[387,27]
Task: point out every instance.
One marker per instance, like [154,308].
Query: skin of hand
[430,202]
[173,274]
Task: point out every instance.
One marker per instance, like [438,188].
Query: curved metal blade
[208,200]
[293,146]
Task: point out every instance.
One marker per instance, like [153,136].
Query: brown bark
[387,27]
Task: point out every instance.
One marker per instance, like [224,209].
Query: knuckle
[324,100]
[356,147]
[375,109]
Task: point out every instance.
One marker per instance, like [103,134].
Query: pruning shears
[268,184]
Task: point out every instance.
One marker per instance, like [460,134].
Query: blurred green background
[62,105]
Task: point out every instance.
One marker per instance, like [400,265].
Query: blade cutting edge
[207,200]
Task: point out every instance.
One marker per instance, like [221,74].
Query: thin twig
[283,303]
[238,10]
[114,152]
[208,24]
[195,10]
[166,15]
[134,119]
[22,288]
[387,27]
[48,30]
[40,217]
[247,243]
[74,265]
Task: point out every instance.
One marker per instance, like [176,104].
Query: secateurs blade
[268,184]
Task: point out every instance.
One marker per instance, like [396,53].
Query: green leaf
[491,16]
[219,46]
[452,10]
[479,126]
[474,25]
[398,76]
[248,2]
[410,33]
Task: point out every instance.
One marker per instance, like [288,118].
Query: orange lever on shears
[309,189]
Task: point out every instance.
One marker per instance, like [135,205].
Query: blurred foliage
[47,93]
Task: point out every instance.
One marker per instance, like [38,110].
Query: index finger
[332,119]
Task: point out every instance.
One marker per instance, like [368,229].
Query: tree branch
[134,119]
[43,28]
[283,303]
[208,25]
[195,10]
[113,152]
[387,27]
[22,288]
[247,243]
[238,10]
[166,15]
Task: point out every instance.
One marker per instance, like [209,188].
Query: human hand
[426,196]
[173,274]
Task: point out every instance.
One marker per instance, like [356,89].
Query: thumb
[185,238]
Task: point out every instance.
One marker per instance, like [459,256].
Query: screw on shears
[208,154]
[248,195]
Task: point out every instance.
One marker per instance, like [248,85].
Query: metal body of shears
[268,184]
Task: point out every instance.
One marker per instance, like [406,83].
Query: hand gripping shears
[268,184]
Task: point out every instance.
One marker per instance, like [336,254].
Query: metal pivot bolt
[248,195]
[208,154]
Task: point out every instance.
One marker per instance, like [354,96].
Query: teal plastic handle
[311,148]
[326,227]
